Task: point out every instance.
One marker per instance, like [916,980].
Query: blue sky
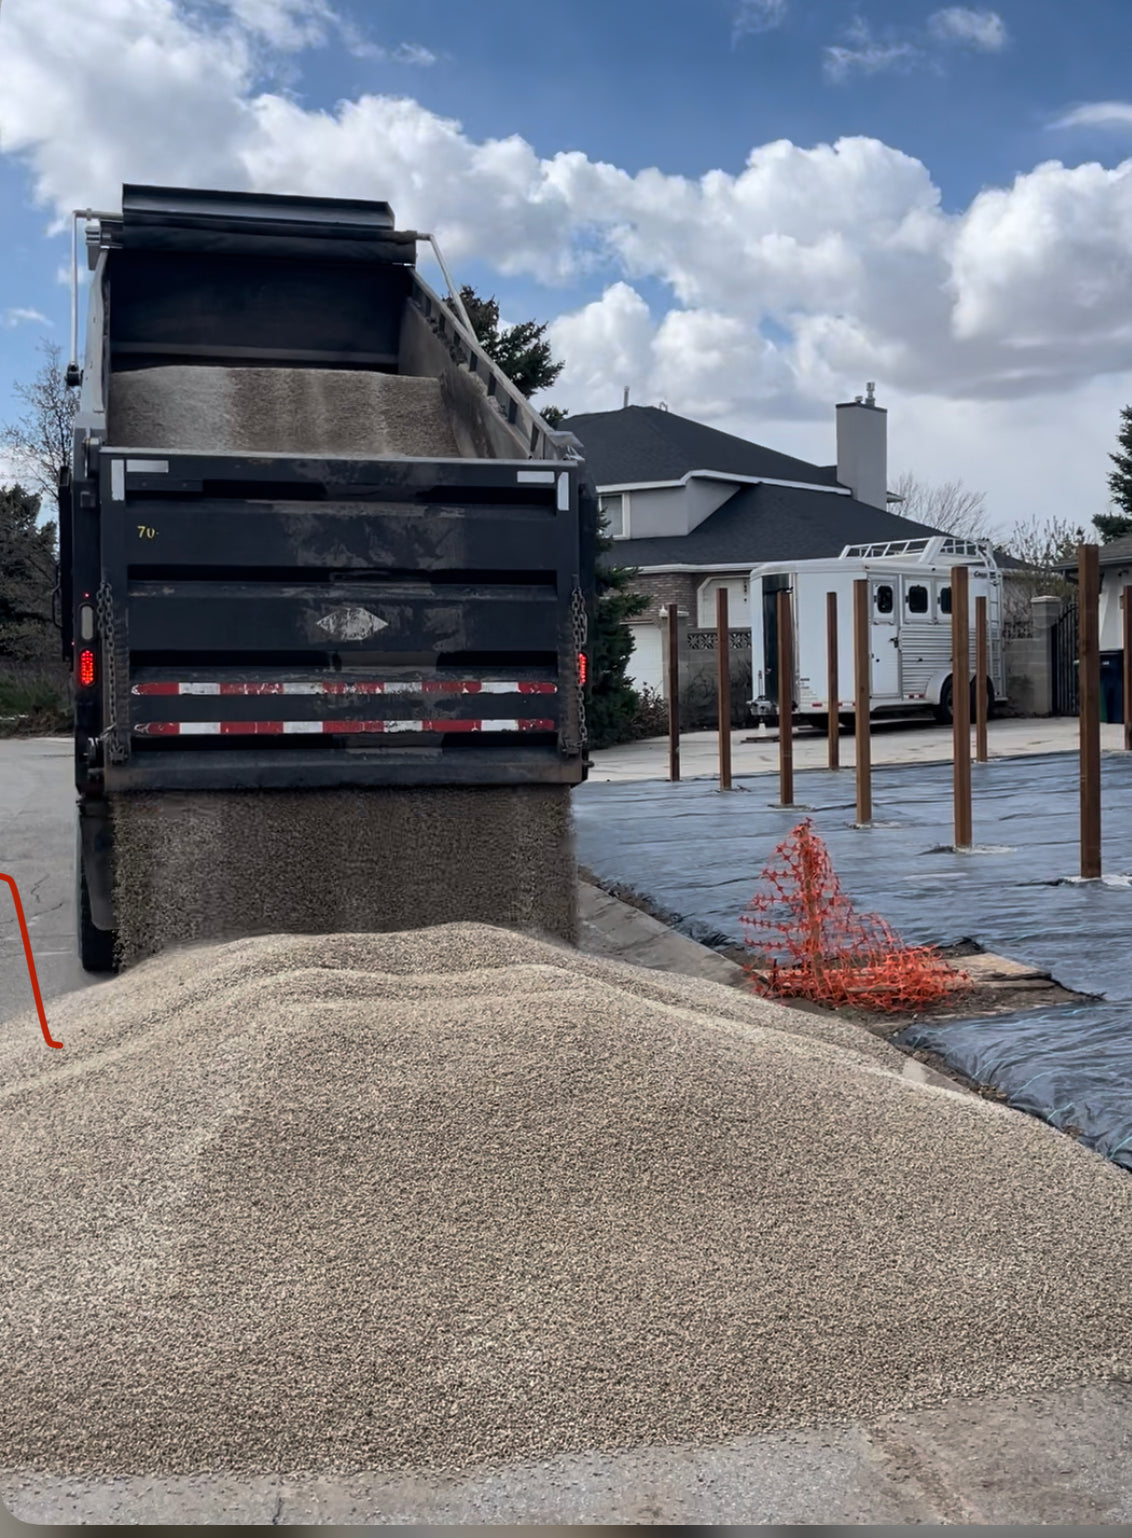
[989,300]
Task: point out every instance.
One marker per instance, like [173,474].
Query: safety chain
[109,735]
[579,622]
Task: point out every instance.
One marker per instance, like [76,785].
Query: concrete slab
[1056,1458]
[756,752]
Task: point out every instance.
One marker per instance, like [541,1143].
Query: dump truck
[326,583]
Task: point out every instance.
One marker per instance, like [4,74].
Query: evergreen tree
[27,579]
[611,701]
[1112,526]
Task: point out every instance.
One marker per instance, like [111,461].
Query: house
[694,509]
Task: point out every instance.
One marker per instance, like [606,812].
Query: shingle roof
[1118,552]
[643,443]
[772,523]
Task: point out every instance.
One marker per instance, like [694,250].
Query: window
[945,600]
[613,510]
[916,597]
[882,598]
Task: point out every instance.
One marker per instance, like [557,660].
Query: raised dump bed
[313,540]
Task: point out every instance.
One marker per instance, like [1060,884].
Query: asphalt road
[37,839]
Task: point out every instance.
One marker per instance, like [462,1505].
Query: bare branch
[950,507]
[40,440]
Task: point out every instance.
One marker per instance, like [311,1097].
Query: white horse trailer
[909,627]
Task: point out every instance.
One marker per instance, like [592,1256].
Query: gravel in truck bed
[424,1199]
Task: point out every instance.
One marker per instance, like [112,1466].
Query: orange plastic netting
[811,943]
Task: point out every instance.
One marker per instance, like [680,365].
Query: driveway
[755,750]
[37,837]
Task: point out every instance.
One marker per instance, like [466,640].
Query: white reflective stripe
[148,466]
[535,477]
[564,493]
[200,728]
[117,481]
[302,726]
[392,686]
[404,726]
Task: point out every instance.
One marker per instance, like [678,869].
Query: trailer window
[945,600]
[882,597]
[916,598]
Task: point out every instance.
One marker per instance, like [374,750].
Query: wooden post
[982,673]
[863,688]
[1128,669]
[673,693]
[832,682]
[785,699]
[723,657]
[961,702]
[1089,688]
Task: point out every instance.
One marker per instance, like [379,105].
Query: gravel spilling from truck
[218,866]
[425,1199]
[280,410]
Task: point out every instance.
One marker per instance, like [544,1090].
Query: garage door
[646,665]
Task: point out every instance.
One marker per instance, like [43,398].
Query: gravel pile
[224,865]
[420,1200]
[279,410]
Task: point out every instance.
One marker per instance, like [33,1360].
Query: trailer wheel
[95,946]
[944,712]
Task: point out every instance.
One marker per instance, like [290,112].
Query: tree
[949,507]
[611,701]
[40,440]
[1112,526]
[27,579]
[521,351]
[1042,545]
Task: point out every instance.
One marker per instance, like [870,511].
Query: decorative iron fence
[1063,661]
[704,640]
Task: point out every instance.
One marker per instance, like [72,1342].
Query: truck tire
[95,946]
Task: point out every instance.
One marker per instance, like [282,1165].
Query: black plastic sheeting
[697,853]
[1071,1066]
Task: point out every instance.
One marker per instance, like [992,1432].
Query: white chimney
[862,448]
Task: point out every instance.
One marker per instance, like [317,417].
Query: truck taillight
[86,669]
[582,669]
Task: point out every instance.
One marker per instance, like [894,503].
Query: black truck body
[269,618]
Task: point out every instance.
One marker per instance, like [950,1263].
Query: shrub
[35,699]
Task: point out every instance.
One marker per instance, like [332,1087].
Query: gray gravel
[420,1200]
[218,865]
[279,410]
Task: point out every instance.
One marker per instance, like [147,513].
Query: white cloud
[984,30]
[1018,308]
[867,55]
[757,16]
[1097,114]
[287,24]
[414,53]
[18,316]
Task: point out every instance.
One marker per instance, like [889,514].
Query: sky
[746,209]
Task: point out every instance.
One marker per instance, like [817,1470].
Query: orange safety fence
[810,943]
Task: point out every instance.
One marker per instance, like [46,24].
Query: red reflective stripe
[157,688]
[279,728]
[538,688]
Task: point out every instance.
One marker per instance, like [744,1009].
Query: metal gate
[1063,661]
